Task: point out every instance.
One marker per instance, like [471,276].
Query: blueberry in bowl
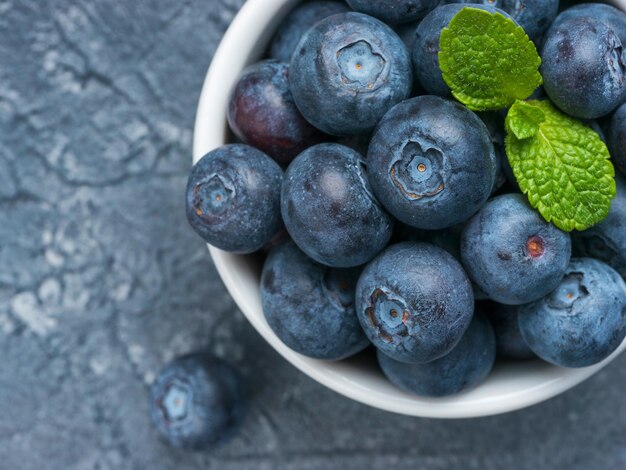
[310,306]
[329,209]
[233,198]
[414,302]
[431,162]
[513,254]
[582,321]
[262,113]
[347,71]
[584,67]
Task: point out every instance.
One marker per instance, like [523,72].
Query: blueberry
[512,253]
[426,47]
[584,67]
[616,138]
[299,21]
[347,71]
[534,16]
[509,340]
[468,364]
[233,198]
[414,302]
[395,11]
[614,18]
[262,113]
[582,321]
[329,209]
[310,307]
[606,241]
[431,162]
[197,401]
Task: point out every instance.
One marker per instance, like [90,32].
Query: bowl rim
[244,40]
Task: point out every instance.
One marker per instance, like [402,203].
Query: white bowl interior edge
[511,385]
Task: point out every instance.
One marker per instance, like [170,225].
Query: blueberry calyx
[212,195]
[388,315]
[419,172]
[360,66]
[176,400]
[569,292]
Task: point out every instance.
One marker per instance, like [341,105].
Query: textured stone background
[102,281]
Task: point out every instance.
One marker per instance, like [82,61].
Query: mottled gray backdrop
[102,281]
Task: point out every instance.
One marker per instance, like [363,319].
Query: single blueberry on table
[584,67]
[309,306]
[233,198]
[614,18]
[467,365]
[512,253]
[509,340]
[616,138]
[347,72]
[606,241]
[425,54]
[534,16]
[329,209]
[299,21]
[431,162]
[262,113]
[582,321]
[414,302]
[197,401]
[395,11]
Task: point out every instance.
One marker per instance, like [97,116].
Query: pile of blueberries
[388,211]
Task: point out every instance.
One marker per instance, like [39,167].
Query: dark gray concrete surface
[102,281]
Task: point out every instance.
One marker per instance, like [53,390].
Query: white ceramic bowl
[510,386]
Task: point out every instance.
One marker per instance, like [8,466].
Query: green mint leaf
[524,119]
[563,168]
[487,60]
